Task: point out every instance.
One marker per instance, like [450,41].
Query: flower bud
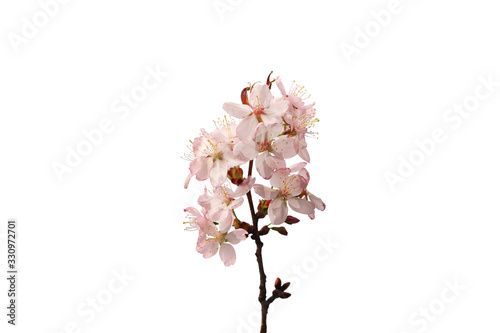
[262,208]
[264,230]
[281,230]
[277,284]
[285,295]
[291,220]
[235,175]
[244,96]
[244,226]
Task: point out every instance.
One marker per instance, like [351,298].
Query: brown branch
[258,253]
[279,291]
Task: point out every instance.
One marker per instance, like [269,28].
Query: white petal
[301,205]
[277,108]
[246,128]
[304,154]
[205,166]
[208,248]
[265,166]
[285,146]
[193,211]
[298,166]
[278,211]
[218,173]
[237,110]
[244,187]
[236,236]
[280,177]
[265,192]
[317,202]
[245,151]
[227,254]
[236,203]
[280,85]
[186,182]
[260,96]
[225,220]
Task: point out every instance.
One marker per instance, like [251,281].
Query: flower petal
[265,166]
[205,166]
[296,101]
[226,221]
[193,211]
[265,192]
[260,96]
[205,200]
[280,86]
[244,151]
[278,211]
[280,178]
[246,128]
[244,187]
[298,166]
[277,108]
[285,146]
[304,154]
[218,173]
[236,236]
[237,110]
[208,248]
[186,182]
[317,202]
[301,205]
[236,203]
[227,254]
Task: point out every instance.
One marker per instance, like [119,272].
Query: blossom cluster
[264,131]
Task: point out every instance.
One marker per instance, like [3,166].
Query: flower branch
[270,131]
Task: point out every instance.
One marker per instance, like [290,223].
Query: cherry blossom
[212,238]
[286,189]
[269,149]
[261,108]
[211,157]
[223,200]
[266,133]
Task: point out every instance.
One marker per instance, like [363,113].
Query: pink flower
[285,192]
[211,157]
[317,202]
[273,148]
[225,131]
[223,200]
[193,216]
[299,118]
[261,108]
[211,239]
[295,95]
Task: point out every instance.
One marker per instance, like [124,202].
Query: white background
[121,208]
